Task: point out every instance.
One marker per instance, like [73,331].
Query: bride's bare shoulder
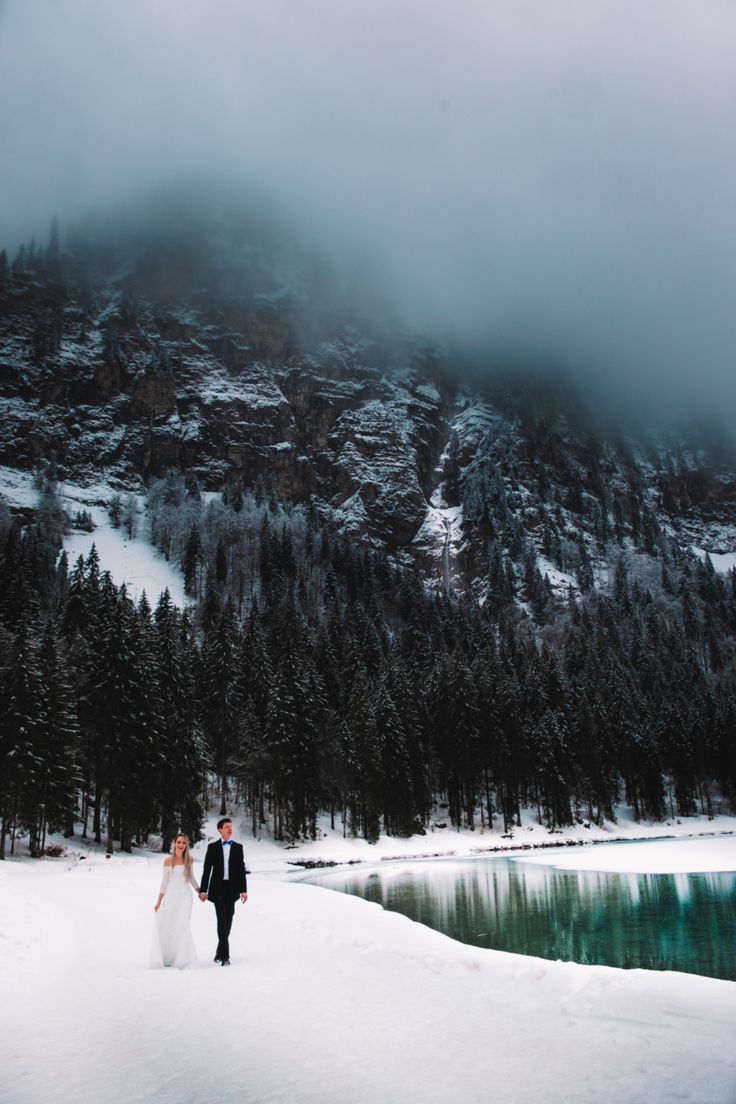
[168,862]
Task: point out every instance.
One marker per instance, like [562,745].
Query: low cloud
[551,177]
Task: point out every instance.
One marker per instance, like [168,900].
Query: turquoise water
[657,921]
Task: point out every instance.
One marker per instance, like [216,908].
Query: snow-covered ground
[723,562]
[133,561]
[17,488]
[683,856]
[330,999]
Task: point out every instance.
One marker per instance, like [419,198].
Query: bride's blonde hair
[187,853]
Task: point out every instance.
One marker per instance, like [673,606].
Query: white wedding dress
[172,943]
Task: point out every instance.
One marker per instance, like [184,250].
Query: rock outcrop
[113,381]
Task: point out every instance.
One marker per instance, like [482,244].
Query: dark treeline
[314,675]
[96,701]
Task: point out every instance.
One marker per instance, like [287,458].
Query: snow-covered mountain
[233,356]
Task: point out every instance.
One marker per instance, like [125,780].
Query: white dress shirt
[225,862]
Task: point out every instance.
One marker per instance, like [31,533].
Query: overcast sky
[553,175]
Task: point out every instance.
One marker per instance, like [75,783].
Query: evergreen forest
[312,675]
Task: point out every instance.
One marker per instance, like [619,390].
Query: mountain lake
[678,921]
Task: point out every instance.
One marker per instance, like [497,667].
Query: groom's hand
[203,896]
[243,898]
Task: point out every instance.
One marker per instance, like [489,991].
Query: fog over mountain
[548,179]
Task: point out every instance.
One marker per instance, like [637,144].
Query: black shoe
[225,962]
[217,958]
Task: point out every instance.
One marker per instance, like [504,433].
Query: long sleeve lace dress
[172,943]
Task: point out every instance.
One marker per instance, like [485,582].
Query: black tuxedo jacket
[212,882]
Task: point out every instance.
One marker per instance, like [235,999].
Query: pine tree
[220,695]
[552,766]
[405,684]
[363,763]
[123,720]
[180,745]
[456,737]
[191,561]
[22,721]
[398,804]
[58,739]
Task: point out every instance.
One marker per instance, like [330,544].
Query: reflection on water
[657,921]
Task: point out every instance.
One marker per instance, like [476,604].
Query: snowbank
[685,856]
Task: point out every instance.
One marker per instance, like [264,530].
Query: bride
[172,943]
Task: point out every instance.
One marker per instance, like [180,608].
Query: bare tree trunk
[85,807]
[13,824]
[97,813]
[223,778]
[489,800]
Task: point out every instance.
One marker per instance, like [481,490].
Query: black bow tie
[226,843]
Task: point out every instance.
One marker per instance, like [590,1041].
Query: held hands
[243,897]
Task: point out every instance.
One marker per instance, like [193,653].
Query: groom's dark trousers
[224,910]
[224,892]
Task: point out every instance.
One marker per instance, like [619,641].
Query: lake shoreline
[501,849]
[662,904]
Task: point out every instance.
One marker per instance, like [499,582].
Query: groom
[223,881]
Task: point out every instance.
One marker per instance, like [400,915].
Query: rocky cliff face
[121,369]
[115,382]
